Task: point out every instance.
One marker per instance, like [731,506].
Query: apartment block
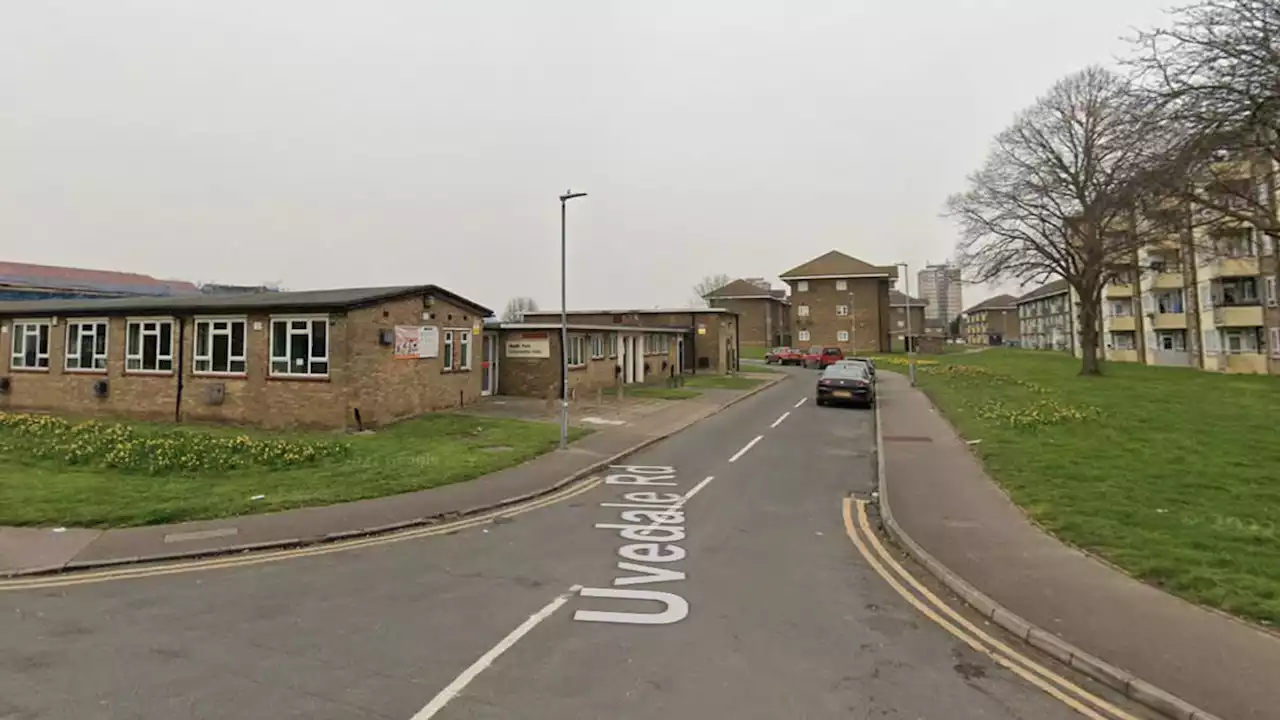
[993,321]
[841,301]
[764,317]
[1047,318]
[940,288]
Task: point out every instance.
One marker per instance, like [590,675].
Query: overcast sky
[329,144]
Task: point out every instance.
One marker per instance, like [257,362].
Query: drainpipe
[180,365]
[693,345]
[737,343]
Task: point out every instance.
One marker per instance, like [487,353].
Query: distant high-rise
[940,287]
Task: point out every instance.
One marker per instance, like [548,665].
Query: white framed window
[597,346]
[447,353]
[464,349]
[843,310]
[148,346]
[1272,298]
[1174,340]
[802,311]
[803,335]
[1242,340]
[842,336]
[802,286]
[30,348]
[1275,342]
[86,345]
[220,346]
[577,351]
[613,344]
[300,346]
[842,284]
[1122,340]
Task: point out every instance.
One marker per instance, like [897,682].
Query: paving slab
[943,499]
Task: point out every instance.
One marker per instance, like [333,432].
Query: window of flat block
[842,336]
[300,347]
[802,286]
[149,346]
[30,348]
[842,284]
[804,336]
[1271,291]
[802,311]
[220,347]
[1275,342]
[447,353]
[464,349]
[843,310]
[86,345]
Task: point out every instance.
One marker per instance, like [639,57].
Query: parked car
[820,357]
[784,356]
[847,384]
[862,361]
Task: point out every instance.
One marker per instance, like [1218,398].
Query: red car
[784,356]
[821,358]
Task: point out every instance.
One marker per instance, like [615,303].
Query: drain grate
[907,438]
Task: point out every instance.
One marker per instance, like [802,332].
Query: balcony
[1123,323]
[1169,321]
[1167,281]
[1231,267]
[1119,292]
[1237,316]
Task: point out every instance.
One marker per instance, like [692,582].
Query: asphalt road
[766,609]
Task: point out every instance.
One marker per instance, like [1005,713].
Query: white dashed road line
[801,402]
[778,422]
[745,448]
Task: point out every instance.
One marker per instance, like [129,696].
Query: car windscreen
[848,372]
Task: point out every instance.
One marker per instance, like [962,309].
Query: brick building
[993,321]
[838,300]
[708,341]
[764,314]
[324,359]
[900,304]
[527,358]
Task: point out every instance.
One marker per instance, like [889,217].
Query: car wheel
[820,401]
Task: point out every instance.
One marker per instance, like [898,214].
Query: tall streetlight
[564,324]
[911,356]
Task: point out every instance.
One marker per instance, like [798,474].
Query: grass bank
[1172,474]
[723,382]
[125,474]
[658,392]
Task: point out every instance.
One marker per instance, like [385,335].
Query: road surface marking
[782,417]
[802,401]
[978,632]
[745,448]
[125,573]
[460,683]
[965,637]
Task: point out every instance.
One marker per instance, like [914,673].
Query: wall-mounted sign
[414,342]
[529,345]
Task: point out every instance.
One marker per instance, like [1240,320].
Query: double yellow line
[145,571]
[932,607]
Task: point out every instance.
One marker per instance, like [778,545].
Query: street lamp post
[564,324]
[911,356]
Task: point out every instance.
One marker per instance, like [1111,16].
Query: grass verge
[98,474]
[1172,474]
[723,382]
[654,391]
[754,353]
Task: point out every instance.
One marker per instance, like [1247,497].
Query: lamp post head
[567,196]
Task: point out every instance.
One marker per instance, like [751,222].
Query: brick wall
[762,323]
[898,325]
[540,377]
[868,321]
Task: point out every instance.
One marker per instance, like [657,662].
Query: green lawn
[725,382]
[755,367]
[754,353]
[660,392]
[116,475]
[1172,474]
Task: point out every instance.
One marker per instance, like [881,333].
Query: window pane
[202,339]
[237,366]
[279,366]
[165,364]
[100,340]
[166,339]
[319,368]
[279,339]
[220,347]
[29,355]
[150,354]
[299,325]
[43,330]
[298,353]
[133,339]
[319,332]
[73,340]
[237,339]
[203,366]
[133,364]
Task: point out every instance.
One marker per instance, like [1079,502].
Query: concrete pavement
[943,499]
[781,618]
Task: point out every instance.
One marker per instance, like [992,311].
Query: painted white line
[745,448]
[778,422]
[801,402]
[460,683]
[693,491]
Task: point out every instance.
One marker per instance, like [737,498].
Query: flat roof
[238,302]
[580,326]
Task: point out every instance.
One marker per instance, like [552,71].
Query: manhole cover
[907,438]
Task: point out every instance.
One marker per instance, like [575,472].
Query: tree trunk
[1089,340]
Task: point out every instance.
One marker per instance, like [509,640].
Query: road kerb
[1134,688]
[297,542]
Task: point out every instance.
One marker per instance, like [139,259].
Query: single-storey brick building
[709,339]
[325,359]
[600,356]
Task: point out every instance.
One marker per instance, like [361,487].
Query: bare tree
[517,307]
[707,285]
[1056,195]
